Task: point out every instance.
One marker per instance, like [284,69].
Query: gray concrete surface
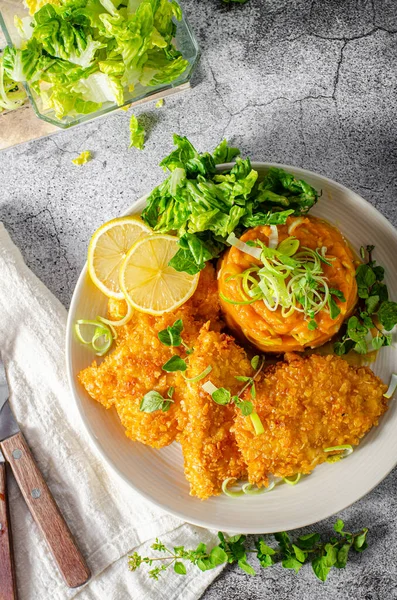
[309,83]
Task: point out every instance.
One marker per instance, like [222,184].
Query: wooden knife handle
[8,586]
[45,511]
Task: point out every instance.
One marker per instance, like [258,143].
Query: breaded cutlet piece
[306,405]
[134,367]
[209,447]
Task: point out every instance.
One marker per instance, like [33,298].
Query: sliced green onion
[209,387]
[295,224]
[273,237]
[392,386]
[292,480]
[252,490]
[345,450]
[200,376]
[257,423]
[101,332]
[237,301]
[306,290]
[122,321]
[229,492]
[243,247]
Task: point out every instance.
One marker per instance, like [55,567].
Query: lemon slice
[148,283]
[108,248]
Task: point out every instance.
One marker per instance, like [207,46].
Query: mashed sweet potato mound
[268,330]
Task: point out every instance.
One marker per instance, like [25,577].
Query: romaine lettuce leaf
[85,52]
[12,94]
[137,134]
[203,206]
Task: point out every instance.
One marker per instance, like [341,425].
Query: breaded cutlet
[307,405]
[134,367]
[209,447]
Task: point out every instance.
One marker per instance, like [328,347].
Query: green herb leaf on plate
[175,363]
[153,401]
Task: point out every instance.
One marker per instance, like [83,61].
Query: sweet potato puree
[269,330]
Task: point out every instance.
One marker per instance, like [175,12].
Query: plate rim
[210,524]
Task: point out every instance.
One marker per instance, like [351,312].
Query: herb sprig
[223,396]
[309,548]
[374,310]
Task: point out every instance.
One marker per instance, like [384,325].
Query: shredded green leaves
[291,554]
[101,337]
[375,316]
[204,206]
[290,278]
[78,56]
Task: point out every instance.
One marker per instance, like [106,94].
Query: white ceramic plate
[158,474]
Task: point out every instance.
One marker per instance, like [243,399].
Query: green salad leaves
[86,52]
[203,205]
[12,94]
[308,548]
[375,316]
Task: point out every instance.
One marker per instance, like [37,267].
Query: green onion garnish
[247,488]
[292,480]
[200,376]
[252,490]
[392,386]
[209,387]
[345,450]
[243,247]
[229,492]
[289,279]
[122,321]
[257,423]
[101,339]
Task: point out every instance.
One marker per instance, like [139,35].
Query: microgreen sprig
[308,548]
[374,311]
[171,336]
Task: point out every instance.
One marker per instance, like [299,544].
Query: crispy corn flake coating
[306,405]
[134,367]
[209,447]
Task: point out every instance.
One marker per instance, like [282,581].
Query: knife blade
[8,424]
[37,495]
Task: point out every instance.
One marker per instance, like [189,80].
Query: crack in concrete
[302,130]
[62,250]
[62,150]
[352,38]
[338,68]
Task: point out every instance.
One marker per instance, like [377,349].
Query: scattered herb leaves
[374,310]
[291,554]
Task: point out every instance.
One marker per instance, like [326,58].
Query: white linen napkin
[106,517]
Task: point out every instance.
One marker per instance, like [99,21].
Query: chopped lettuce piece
[83,158]
[159,103]
[12,94]
[137,134]
[78,54]
[203,206]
